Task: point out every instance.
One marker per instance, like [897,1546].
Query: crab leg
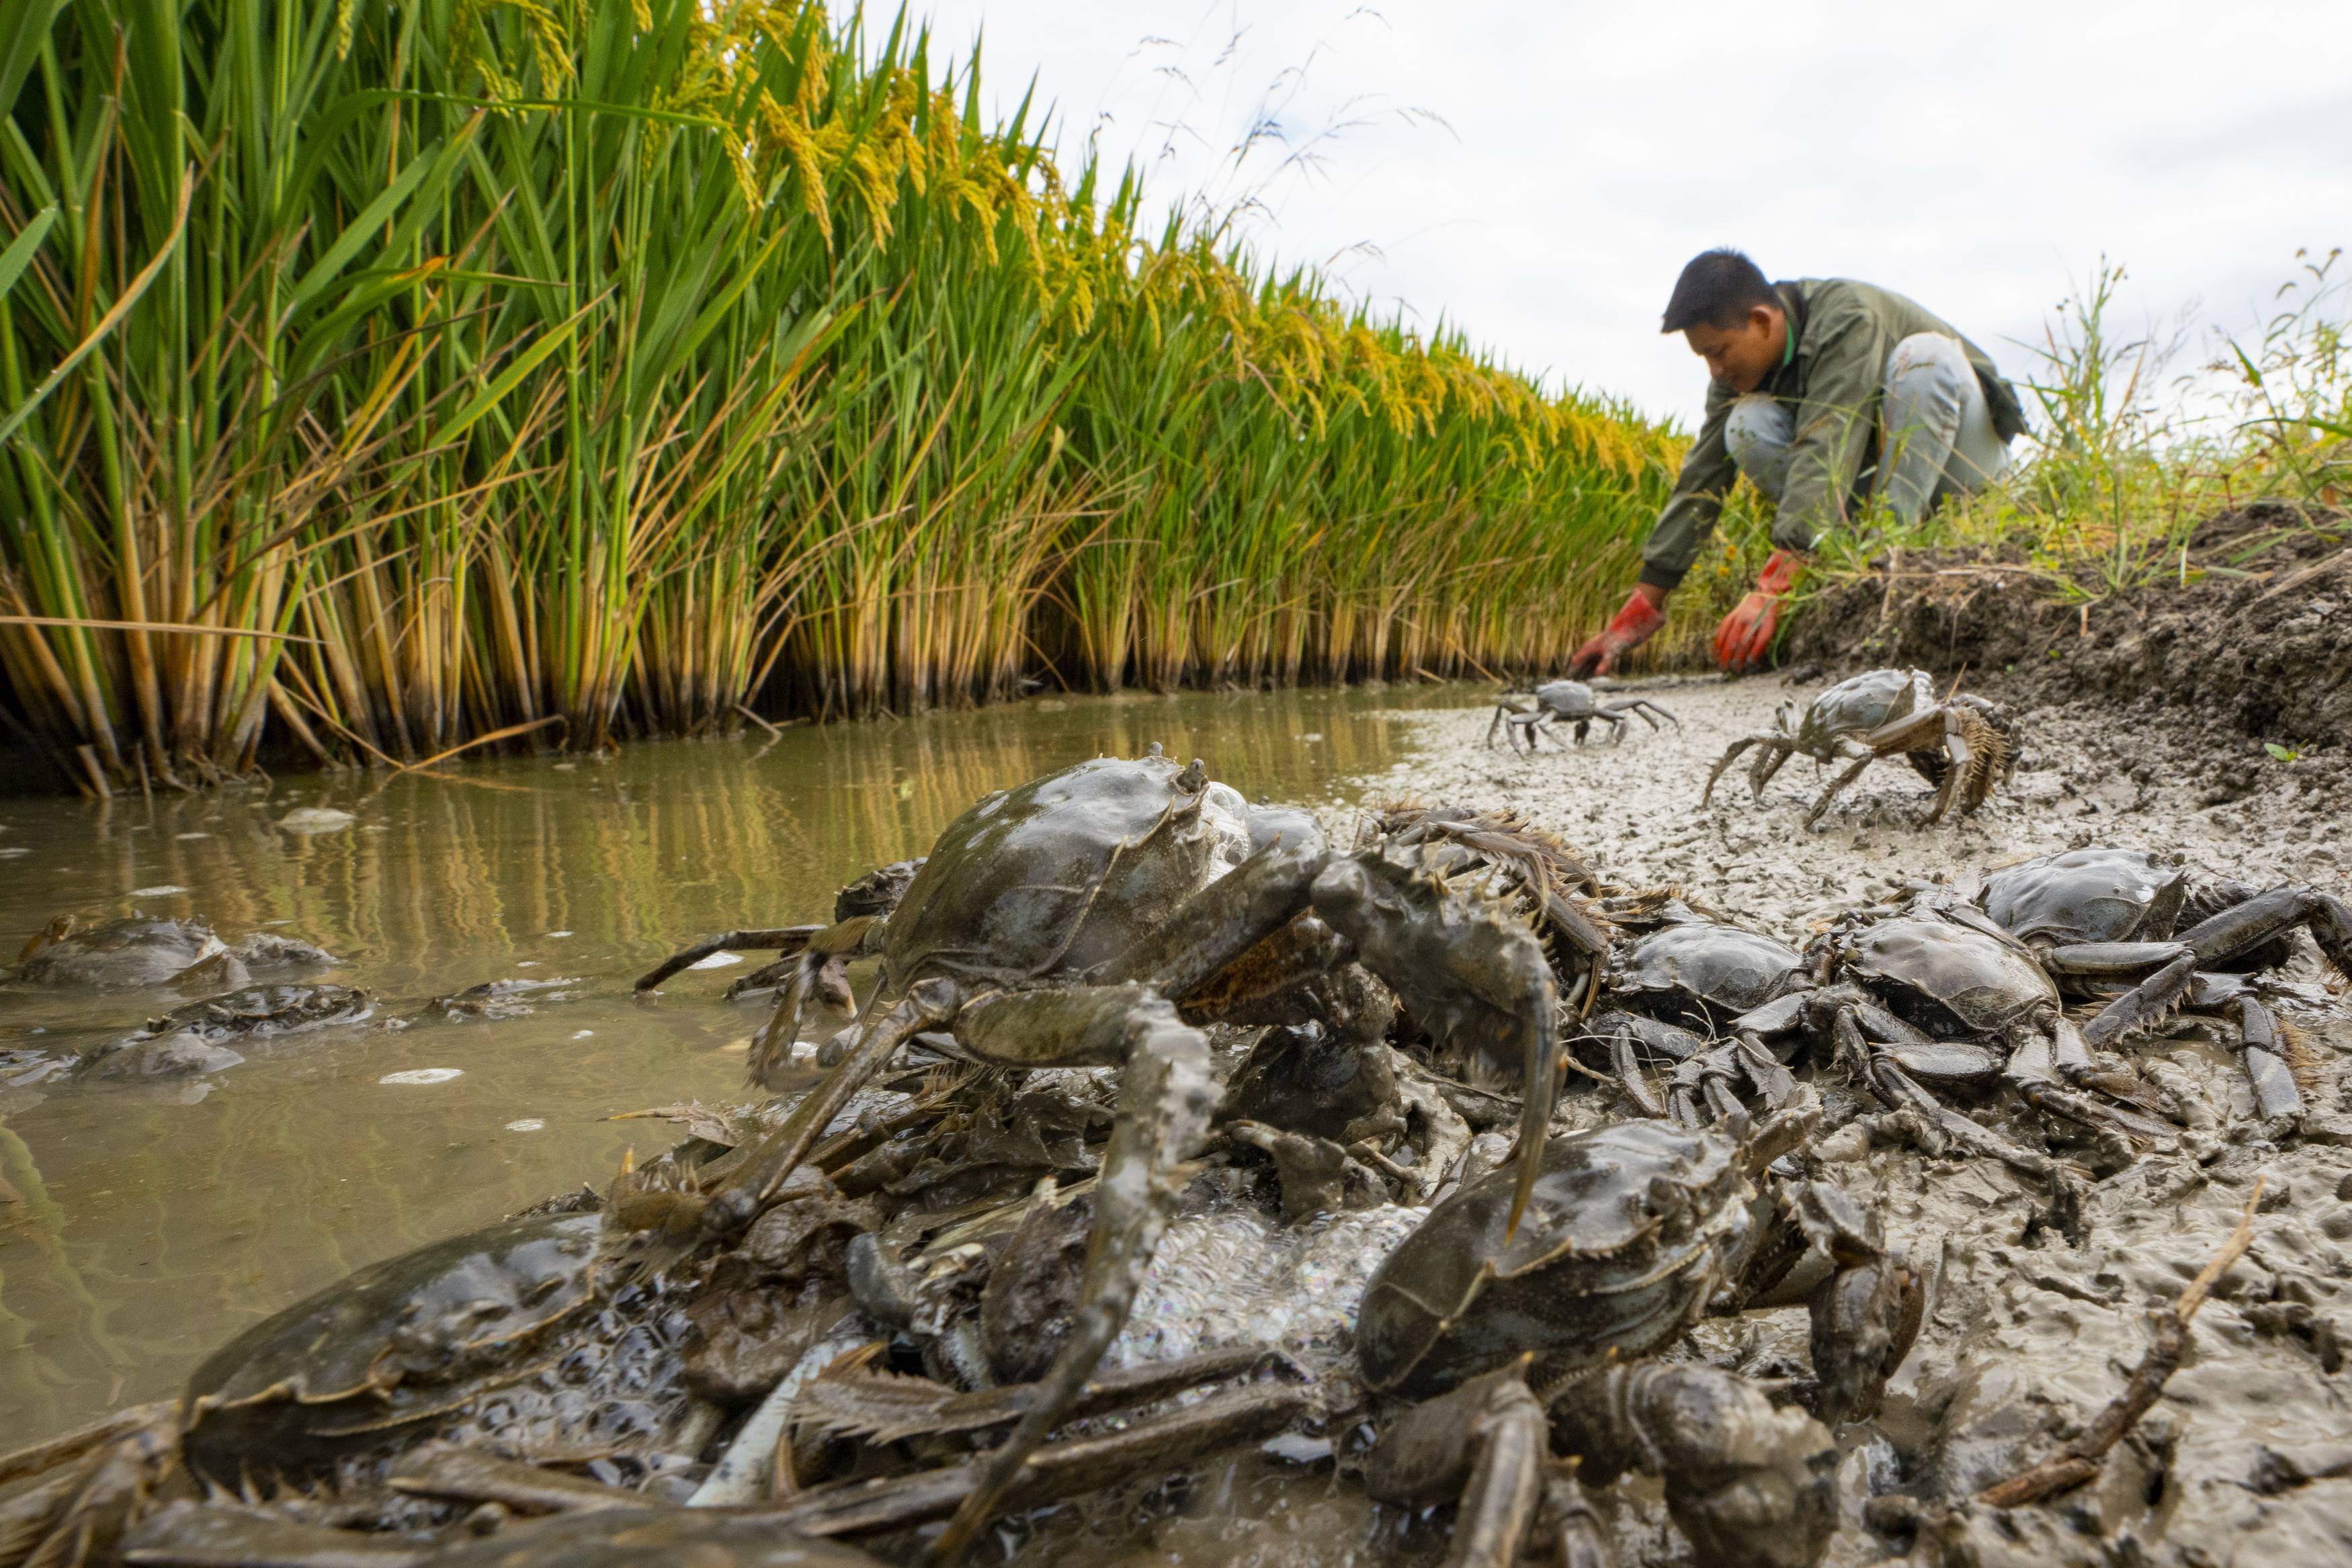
[1484,1443]
[1938,728]
[2276,1093]
[1768,764]
[1165,1100]
[1898,1087]
[764,1168]
[2092,960]
[2266,914]
[2032,1071]
[1217,924]
[1747,1482]
[778,939]
[1776,741]
[1866,1314]
[2143,1004]
[1623,1032]
[1844,777]
[1571,1524]
[858,937]
[1464,971]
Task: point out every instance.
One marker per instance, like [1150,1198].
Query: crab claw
[1471,972]
[1535,1116]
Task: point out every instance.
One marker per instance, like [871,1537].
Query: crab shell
[1567,699]
[1976,983]
[1066,872]
[266,1010]
[704,1538]
[2087,895]
[1723,970]
[1630,1229]
[1862,702]
[121,954]
[395,1343]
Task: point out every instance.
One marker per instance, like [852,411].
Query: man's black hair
[1717,288]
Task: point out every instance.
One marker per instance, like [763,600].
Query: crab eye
[1663,1197]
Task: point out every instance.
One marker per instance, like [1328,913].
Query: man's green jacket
[1841,334]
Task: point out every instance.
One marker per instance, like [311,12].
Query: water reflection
[142,1223]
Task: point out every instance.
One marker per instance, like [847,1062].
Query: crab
[1960,744]
[401,1342]
[1574,704]
[1634,1230]
[1545,880]
[421,1378]
[401,1346]
[1677,988]
[194,1038]
[1088,918]
[1934,997]
[137,951]
[2102,922]
[1569,703]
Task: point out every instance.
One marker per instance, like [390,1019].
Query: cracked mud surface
[2027,1337]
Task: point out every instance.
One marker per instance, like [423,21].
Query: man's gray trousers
[1935,434]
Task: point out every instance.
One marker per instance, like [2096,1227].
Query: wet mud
[2247,1459]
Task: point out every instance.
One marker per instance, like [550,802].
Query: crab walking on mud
[1087,919]
[1960,744]
[1634,1230]
[1574,704]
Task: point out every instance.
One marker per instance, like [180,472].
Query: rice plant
[378,380]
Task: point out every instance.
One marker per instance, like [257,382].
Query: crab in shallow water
[196,1037]
[137,951]
[1960,744]
[426,1376]
[2104,923]
[1088,918]
[1574,704]
[1634,1230]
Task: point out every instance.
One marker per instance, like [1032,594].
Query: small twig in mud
[2167,1337]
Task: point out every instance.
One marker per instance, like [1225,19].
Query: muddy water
[144,1223]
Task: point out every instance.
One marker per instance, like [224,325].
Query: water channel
[144,1222]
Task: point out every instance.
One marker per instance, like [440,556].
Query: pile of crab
[1120,1026]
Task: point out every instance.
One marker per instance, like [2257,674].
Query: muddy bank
[2027,1336]
[2254,634]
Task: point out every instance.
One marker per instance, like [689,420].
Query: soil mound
[2255,635]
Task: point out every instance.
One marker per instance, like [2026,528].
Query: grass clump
[379,380]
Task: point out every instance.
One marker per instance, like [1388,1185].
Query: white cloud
[1977,159]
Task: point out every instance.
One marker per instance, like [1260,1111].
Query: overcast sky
[1538,170]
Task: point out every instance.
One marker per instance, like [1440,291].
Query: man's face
[1741,357]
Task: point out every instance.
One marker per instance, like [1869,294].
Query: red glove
[1632,625]
[1745,635]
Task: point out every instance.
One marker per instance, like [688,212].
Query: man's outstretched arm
[1683,527]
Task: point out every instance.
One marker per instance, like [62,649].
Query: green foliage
[405,375]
